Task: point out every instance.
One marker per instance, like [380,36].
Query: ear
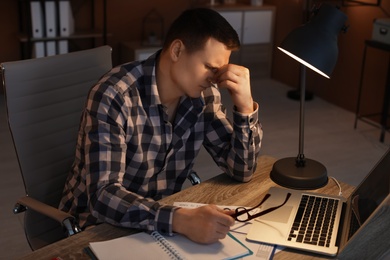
[176,49]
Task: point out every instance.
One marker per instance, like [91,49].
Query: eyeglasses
[243,214]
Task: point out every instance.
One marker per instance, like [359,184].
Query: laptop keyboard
[314,221]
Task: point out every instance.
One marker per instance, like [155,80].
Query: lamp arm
[300,160]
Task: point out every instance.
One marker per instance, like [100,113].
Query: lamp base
[311,176]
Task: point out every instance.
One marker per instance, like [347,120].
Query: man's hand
[205,225]
[236,79]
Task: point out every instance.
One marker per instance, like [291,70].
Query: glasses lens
[242,214]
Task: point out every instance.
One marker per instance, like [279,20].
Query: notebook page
[144,246]
[227,248]
[137,246]
[261,251]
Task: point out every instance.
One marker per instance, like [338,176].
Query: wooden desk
[220,190]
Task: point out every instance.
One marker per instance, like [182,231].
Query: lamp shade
[314,44]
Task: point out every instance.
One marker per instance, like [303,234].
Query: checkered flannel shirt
[129,155]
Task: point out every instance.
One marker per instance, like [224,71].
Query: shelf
[240,7]
[78,35]
[95,37]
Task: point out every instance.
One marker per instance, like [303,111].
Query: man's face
[194,72]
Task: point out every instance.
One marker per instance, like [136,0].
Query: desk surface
[220,190]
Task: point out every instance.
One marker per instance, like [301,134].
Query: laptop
[291,225]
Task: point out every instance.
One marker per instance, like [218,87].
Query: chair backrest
[44,101]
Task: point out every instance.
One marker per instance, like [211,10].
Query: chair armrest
[65,219]
[194,178]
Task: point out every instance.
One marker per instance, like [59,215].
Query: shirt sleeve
[105,153]
[234,146]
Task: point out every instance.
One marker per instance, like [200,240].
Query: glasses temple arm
[236,214]
[271,209]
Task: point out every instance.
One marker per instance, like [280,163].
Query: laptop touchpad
[281,215]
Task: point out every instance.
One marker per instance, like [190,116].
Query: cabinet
[257,27]
[130,51]
[254,26]
[235,20]
[79,39]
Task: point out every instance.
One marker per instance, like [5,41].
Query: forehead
[214,53]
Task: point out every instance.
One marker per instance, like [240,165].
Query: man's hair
[195,26]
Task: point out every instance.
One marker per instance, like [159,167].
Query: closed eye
[212,69]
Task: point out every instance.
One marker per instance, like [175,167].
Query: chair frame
[26,91]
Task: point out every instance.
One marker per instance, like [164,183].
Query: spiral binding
[166,246]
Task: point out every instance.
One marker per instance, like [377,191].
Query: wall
[125,23]
[124,20]
[342,88]
[126,17]
[9,44]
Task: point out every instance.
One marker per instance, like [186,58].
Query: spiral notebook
[155,246]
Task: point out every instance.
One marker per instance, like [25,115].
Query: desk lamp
[314,45]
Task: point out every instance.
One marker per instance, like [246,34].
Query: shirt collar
[147,85]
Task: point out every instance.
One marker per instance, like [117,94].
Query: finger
[221,71]
[228,67]
[220,235]
[228,78]
[226,221]
[222,217]
[227,211]
[225,71]
[232,68]
[221,231]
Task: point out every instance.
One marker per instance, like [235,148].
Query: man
[145,122]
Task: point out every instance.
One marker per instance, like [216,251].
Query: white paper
[261,251]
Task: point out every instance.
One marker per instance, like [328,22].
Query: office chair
[44,101]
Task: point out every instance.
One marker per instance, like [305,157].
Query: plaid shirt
[129,155]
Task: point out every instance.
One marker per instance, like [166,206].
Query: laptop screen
[370,193]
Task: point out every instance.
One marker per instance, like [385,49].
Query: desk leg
[385,108]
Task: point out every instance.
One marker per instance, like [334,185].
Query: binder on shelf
[38,50]
[51,18]
[37,19]
[66,18]
[62,46]
[66,25]
[51,48]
